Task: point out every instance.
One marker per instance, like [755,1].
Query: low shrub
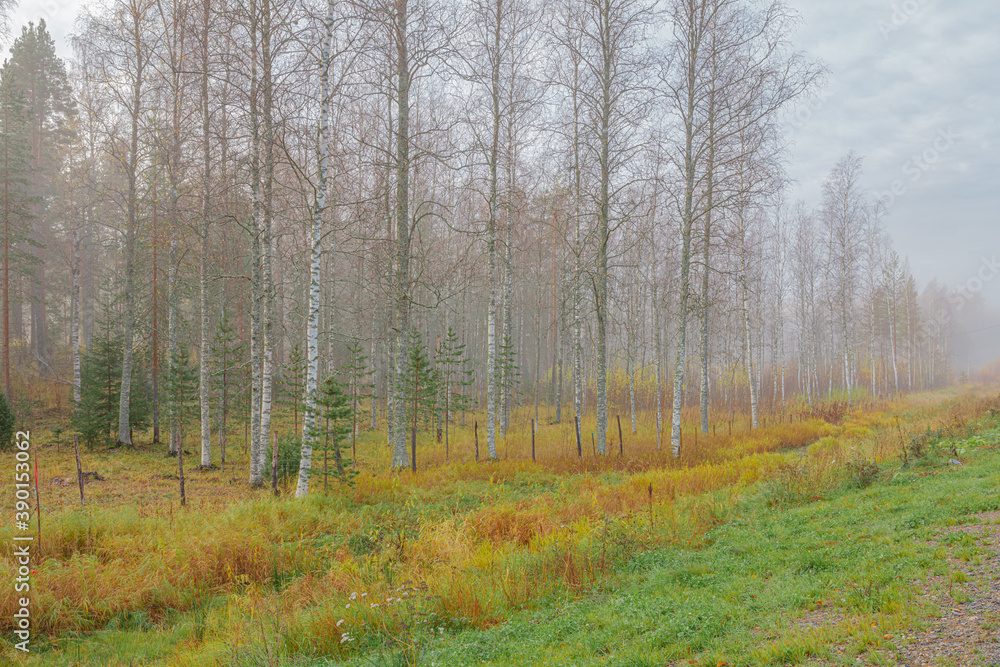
[863,472]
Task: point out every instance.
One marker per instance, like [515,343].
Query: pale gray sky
[911,79]
[908,79]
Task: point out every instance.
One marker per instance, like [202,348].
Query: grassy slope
[804,566]
[828,579]
[780,582]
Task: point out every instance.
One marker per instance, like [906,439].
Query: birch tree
[316,254]
[122,55]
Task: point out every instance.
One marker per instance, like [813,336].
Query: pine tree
[356,373]
[40,75]
[15,170]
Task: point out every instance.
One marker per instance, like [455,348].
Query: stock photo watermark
[900,14]
[804,112]
[989,269]
[918,165]
[22,540]
[965,293]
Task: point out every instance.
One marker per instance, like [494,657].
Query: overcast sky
[914,87]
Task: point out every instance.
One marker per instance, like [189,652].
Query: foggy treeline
[589,195]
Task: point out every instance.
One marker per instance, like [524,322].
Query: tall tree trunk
[204,389]
[706,271]
[268,305]
[492,347]
[748,337]
[319,208]
[258,439]
[132,222]
[508,298]
[372,358]
[173,313]
[658,341]
[892,332]
[693,32]
[155,315]
[401,326]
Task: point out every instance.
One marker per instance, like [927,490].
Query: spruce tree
[294,382]
[334,420]
[422,382]
[181,388]
[356,374]
[451,363]
[40,75]
[511,374]
[101,373]
[227,356]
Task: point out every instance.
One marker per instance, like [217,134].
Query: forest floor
[876,544]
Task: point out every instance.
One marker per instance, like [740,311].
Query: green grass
[821,562]
[851,562]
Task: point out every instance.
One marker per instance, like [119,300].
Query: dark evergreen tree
[101,374]
[356,375]
[422,382]
[15,170]
[40,75]
[7,425]
[294,382]
[510,372]
[181,388]
[334,420]
[451,363]
[228,353]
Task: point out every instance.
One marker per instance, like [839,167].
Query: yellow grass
[468,542]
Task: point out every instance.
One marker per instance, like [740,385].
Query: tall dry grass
[458,542]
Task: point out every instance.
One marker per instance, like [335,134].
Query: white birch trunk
[268,307]
[257,439]
[172,315]
[659,368]
[204,388]
[312,333]
[401,324]
[752,378]
[132,223]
